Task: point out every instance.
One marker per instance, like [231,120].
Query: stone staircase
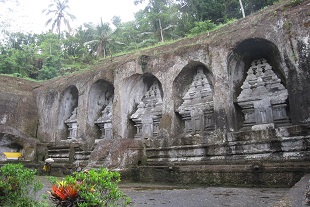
[59,154]
[81,157]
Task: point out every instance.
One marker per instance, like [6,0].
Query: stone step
[289,149]
[61,159]
[59,154]
[82,155]
[64,150]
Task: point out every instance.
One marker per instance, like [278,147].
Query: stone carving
[197,108]
[105,121]
[263,98]
[148,114]
[72,125]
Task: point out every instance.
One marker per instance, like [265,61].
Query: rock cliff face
[18,106]
[239,95]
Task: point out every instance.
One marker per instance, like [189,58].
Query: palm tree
[101,37]
[58,10]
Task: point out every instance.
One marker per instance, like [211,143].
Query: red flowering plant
[65,193]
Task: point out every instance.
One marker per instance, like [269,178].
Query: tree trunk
[161,31]
[242,10]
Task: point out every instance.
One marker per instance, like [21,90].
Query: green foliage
[18,186]
[201,27]
[94,188]
[48,55]
[217,11]
[296,2]
[18,61]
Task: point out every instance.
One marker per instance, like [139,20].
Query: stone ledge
[285,174]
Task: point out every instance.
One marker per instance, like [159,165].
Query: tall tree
[18,55]
[251,6]
[158,20]
[202,10]
[58,10]
[51,55]
[101,37]
[116,21]
[127,33]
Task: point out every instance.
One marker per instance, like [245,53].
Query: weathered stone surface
[116,154]
[18,107]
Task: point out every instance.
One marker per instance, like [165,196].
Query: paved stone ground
[166,196]
[175,196]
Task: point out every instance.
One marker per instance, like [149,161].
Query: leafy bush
[94,188]
[17,183]
[201,27]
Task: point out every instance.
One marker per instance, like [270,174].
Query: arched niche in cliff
[193,95]
[259,86]
[99,111]
[67,116]
[13,140]
[145,101]
[10,146]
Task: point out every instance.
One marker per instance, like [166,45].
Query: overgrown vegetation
[48,55]
[18,186]
[94,188]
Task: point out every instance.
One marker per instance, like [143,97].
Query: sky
[28,17]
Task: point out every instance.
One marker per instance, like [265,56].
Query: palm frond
[120,43]
[91,42]
[71,16]
[48,21]
[50,11]
[169,26]
[67,23]
[55,22]
[145,33]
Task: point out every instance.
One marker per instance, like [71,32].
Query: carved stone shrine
[263,98]
[197,108]
[148,114]
[105,121]
[72,125]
